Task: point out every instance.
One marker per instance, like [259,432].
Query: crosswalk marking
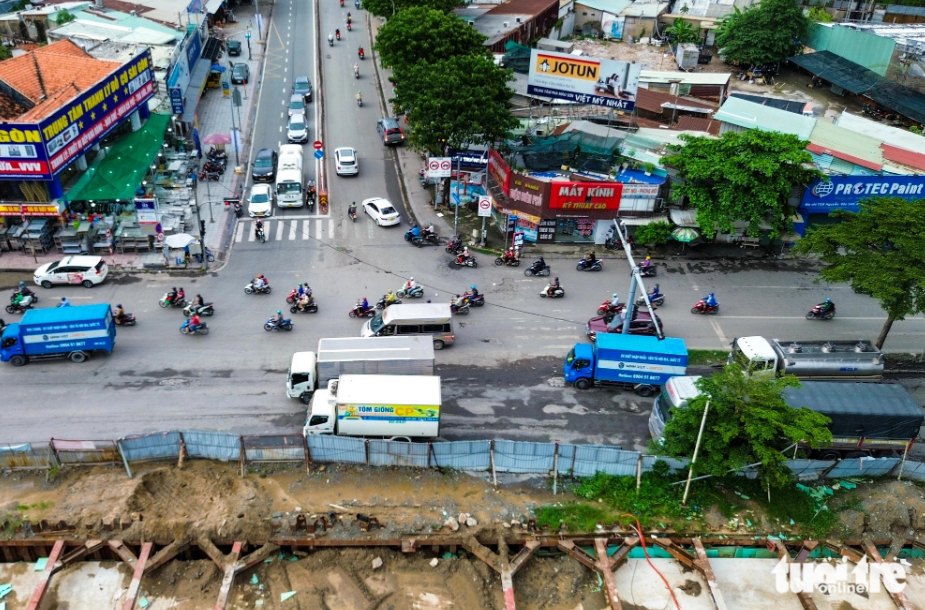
[319,231]
[306,226]
[363,228]
[279,230]
[250,232]
[292,229]
[239,232]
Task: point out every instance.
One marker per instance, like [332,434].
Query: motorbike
[272,324]
[217,154]
[35,297]
[206,309]
[657,301]
[361,54]
[510,262]
[352,214]
[330,41]
[817,313]
[293,296]
[650,271]
[261,236]
[338,36]
[617,244]
[461,310]
[211,166]
[359,312]
[359,101]
[477,301]
[214,176]
[356,73]
[238,210]
[20,307]
[606,309]
[310,308]
[202,330]
[538,268]
[455,246]
[584,265]
[179,302]
[380,304]
[349,27]
[469,262]
[249,289]
[426,239]
[702,308]
[558,293]
[415,293]
[128,319]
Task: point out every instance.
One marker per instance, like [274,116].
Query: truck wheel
[439,344]
[18,360]
[583,384]
[306,397]
[77,356]
[830,454]
[646,391]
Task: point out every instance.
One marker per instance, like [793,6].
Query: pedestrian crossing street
[305,228]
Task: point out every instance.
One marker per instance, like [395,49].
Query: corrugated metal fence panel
[599,458]
[567,459]
[397,453]
[513,456]
[276,448]
[327,448]
[863,467]
[159,446]
[86,452]
[676,464]
[808,470]
[914,471]
[212,445]
[462,455]
[27,455]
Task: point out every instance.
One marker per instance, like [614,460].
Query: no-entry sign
[439,167]
[484,206]
[317,144]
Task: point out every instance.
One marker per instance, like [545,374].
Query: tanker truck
[812,360]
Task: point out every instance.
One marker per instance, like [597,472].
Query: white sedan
[345,162]
[382,211]
[261,201]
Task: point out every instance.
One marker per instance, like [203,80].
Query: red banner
[20,169]
[499,170]
[585,196]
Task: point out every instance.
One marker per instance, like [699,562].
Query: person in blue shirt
[415,232]
[364,304]
[710,300]
[64,302]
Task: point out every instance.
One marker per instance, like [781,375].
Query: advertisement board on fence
[585,80]
[844,192]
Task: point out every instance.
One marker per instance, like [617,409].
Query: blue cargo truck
[61,332]
[632,362]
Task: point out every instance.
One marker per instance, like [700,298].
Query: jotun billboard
[585,80]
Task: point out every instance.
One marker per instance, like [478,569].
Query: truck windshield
[377,323]
[663,404]
[571,357]
[753,366]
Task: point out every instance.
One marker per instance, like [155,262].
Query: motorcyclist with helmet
[390,298]
[172,296]
[463,256]
[710,300]
[363,305]
[410,285]
[510,256]
[473,292]
[458,302]
[194,324]
[825,306]
[337,34]
[258,228]
[260,282]
[278,318]
[415,232]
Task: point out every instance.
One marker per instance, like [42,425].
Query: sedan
[641,324]
[345,162]
[260,203]
[234,48]
[240,74]
[303,87]
[382,211]
[264,166]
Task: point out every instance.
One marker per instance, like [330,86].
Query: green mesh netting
[581,151]
[517,57]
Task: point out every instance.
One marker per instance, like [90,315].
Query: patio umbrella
[217,138]
[685,235]
[180,240]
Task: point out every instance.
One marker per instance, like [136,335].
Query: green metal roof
[750,115]
[846,145]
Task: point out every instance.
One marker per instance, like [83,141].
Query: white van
[289,188]
[432,319]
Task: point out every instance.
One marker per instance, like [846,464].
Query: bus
[289,188]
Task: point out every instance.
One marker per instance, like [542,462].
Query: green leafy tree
[683,32]
[748,422]
[653,234]
[63,17]
[766,33]
[817,14]
[880,251]
[741,176]
[421,34]
[388,8]
[455,102]
[5,52]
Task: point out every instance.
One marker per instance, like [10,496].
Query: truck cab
[10,343]
[579,365]
[675,394]
[300,381]
[755,355]
[320,417]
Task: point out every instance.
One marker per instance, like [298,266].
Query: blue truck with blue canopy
[631,362]
[60,332]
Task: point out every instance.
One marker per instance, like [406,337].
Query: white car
[382,211]
[297,130]
[261,201]
[345,162]
[88,271]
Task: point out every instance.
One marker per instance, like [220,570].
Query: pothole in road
[174,382]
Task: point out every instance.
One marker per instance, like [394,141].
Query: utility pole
[234,129]
[635,280]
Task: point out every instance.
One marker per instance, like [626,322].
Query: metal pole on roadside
[209,198]
[456,208]
[202,238]
[690,473]
[234,130]
[635,280]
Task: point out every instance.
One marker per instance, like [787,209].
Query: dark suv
[234,48]
[390,132]
[303,87]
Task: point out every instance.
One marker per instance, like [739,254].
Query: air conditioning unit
[517,19]
[506,24]
[472,23]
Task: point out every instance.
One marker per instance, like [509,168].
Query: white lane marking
[319,231]
[250,233]
[281,131]
[370,228]
[239,233]
[306,230]
[719,332]
[292,228]
[279,230]
[330,229]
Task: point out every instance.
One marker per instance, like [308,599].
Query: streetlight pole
[234,131]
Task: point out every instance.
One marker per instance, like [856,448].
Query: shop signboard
[499,170]
[31,209]
[193,48]
[637,190]
[528,225]
[585,196]
[546,233]
[583,79]
[176,100]
[22,154]
[844,192]
[146,211]
[470,159]
[90,116]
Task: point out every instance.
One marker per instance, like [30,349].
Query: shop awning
[120,172]
[684,218]
[213,5]
[197,82]
[638,221]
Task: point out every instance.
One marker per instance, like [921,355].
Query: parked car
[87,271]
[264,165]
[234,48]
[382,211]
[390,131]
[345,161]
[302,86]
[641,324]
[240,74]
[260,203]
[297,130]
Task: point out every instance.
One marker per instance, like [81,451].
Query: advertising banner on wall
[844,192]
[499,170]
[612,25]
[585,80]
[94,113]
[527,194]
[640,191]
[585,196]
[22,154]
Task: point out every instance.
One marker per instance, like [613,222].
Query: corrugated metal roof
[842,143]
[692,123]
[686,78]
[749,115]
[645,10]
[893,135]
[614,7]
[656,101]
[902,156]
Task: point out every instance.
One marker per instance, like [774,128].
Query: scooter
[238,210]
[426,239]
[330,41]
[359,101]
[35,297]
[702,308]
[261,236]
[338,36]
[606,309]
[657,301]
[584,265]
[293,296]
[20,307]
[272,324]
[462,310]
[352,214]
[208,254]
[310,308]
[249,289]
[359,312]
[478,301]
[127,320]
[510,262]
[356,72]
[415,293]
[455,246]
[206,309]
[202,330]
[381,304]
[650,271]
[349,27]
[179,302]
[817,313]
[469,262]
[558,293]
[617,244]
[538,268]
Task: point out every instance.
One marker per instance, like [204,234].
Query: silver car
[297,131]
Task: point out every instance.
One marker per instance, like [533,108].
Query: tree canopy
[455,101]
[421,34]
[766,33]
[741,176]
[388,8]
[683,32]
[879,250]
[748,422]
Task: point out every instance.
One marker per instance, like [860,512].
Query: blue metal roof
[668,345]
[74,313]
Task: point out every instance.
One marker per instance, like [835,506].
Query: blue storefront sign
[193,50]
[176,100]
[844,192]
[470,159]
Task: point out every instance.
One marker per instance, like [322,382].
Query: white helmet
[411,279]
[615,295]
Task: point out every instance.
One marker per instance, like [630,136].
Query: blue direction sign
[319,153]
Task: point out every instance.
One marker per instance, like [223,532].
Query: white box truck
[358,356]
[390,406]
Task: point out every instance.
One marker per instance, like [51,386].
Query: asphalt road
[501,379]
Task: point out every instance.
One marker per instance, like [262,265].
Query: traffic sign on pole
[317,144]
[319,153]
[484,206]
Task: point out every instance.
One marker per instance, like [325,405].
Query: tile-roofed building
[518,20]
[37,79]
